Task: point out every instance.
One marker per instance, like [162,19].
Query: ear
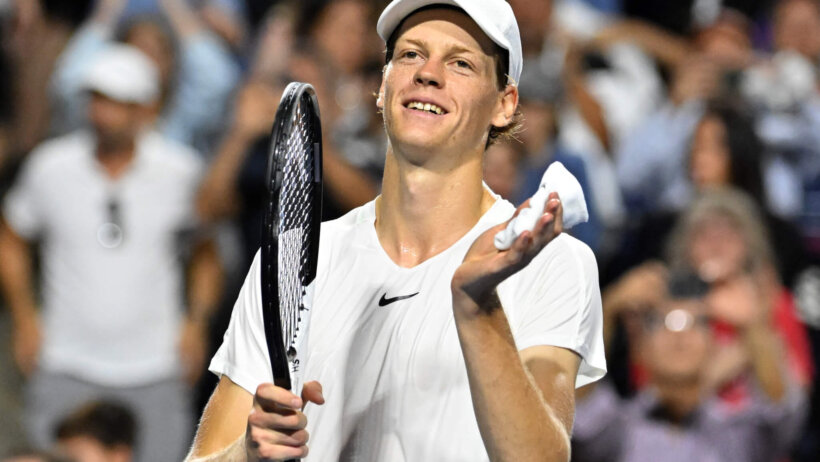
[505,109]
[380,98]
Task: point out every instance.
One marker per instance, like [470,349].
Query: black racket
[290,238]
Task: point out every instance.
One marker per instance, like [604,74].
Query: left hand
[484,266]
[193,346]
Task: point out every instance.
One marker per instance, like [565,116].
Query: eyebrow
[451,48]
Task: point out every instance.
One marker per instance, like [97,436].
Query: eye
[463,64]
[410,54]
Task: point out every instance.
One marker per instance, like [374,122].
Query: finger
[282,419]
[520,247]
[312,391]
[290,438]
[271,398]
[275,452]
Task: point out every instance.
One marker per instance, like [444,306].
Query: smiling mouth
[425,107]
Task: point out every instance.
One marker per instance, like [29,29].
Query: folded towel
[556,179]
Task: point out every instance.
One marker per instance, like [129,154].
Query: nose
[429,74]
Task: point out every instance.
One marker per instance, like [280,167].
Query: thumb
[312,391]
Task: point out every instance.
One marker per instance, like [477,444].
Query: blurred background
[692,125]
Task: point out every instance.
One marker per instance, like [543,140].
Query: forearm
[205,276]
[183,20]
[515,420]
[217,197]
[766,357]
[349,185]
[16,275]
[234,453]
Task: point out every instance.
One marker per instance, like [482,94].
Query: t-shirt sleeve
[22,206]
[243,356]
[556,301]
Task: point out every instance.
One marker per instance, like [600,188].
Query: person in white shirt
[112,207]
[427,342]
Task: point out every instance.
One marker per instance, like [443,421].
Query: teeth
[427,107]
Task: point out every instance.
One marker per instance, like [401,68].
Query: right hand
[26,339]
[276,424]
[255,110]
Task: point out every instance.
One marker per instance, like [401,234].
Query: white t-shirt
[394,376]
[111,308]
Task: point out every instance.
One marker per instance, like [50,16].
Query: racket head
[290,237]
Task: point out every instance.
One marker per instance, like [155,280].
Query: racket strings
[295,223]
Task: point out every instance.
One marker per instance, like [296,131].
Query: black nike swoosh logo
[384,301]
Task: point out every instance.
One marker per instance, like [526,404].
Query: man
[100,431]
[680,408]
[108,206]
[423,352]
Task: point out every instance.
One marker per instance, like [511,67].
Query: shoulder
[566,267]
[349,223]
[568,252]
[58,153]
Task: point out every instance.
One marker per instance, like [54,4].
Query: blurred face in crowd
[152,40]
[717,248]
[501,169]
[533,20]
[115,123]
[677,341]
[87,449]
[343,33]
[441,58]
[709,162]
[797,27]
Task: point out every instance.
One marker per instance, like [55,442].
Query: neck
[115,156]
[679,398]
[422,211]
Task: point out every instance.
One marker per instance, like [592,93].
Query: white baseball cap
[494,17]
[123,73]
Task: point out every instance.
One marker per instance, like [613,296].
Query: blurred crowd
[133,140]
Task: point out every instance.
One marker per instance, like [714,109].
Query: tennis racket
[290,238]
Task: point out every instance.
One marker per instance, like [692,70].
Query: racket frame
[295,93]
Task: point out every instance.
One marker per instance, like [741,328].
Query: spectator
[99,431]
[724,152]
[195,84]
[677,409]
[109,206]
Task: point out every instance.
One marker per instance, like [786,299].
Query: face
[342,33]
[717,248]
[115,123]
[439,92]
[797,28]
[677,341]
[533,20]
[709,162]
[85,449]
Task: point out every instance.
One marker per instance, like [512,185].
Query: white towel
[556,179]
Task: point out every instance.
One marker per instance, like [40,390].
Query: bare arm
[524,404]
[253,116]
[222,426]
[16,282]
[204,290]
[237,426]
[667,48]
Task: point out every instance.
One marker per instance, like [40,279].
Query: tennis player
[426,343]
